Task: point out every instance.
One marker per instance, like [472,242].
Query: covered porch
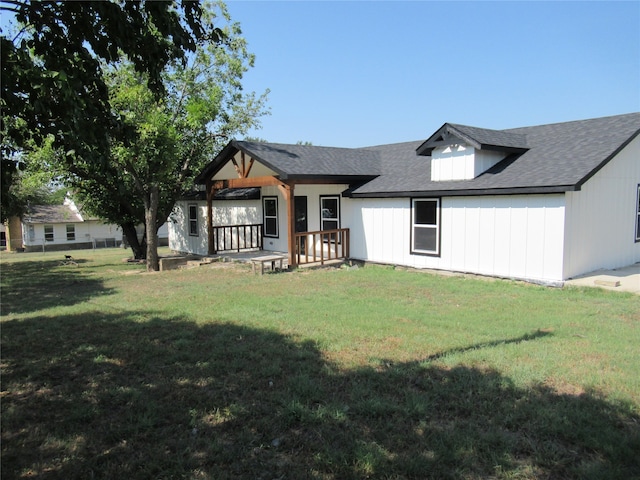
[244,242]
[300,199]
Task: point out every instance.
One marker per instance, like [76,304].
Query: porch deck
[247,255]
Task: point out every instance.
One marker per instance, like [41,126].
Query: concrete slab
[625,279]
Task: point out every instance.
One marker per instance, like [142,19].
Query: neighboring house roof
[541,159]
[52,214]
[66,213]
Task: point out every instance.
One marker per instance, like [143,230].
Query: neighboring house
[62,227]
[543,203]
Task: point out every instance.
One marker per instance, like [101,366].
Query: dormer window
[459,152]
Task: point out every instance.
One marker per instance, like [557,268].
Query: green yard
[110,372]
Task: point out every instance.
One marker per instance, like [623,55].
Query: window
[193,220]
[270,209]
[425,226]
[638,215]
[330,214]
[71,233]
[48,233]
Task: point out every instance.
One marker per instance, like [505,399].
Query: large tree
[53,81]
[165,140]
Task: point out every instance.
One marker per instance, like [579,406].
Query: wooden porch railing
[230,238]
[322,246]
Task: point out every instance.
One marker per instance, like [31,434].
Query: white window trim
[435,227]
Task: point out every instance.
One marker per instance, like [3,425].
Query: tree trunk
[137,247]
[150,216]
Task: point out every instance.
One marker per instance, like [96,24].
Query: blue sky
[363,73]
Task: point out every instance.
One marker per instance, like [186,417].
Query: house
[543,203]
[66,227]
[61,227]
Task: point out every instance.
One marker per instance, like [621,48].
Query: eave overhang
[465,192]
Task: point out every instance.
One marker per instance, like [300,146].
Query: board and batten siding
[600,228]
[313,194]
[224,213]
[506,236]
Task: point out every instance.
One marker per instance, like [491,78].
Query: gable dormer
[459,152]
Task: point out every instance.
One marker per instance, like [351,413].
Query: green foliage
[169,139]
[131,116]
[54,62]
[52,72]
[35,183]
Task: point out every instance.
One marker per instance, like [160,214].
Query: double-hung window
[71,233]
[193,220]
[638,215]
[425,226]
[270,209]
[48,233]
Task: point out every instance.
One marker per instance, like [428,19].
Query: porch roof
[301,161]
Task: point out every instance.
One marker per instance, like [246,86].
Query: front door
[300,205]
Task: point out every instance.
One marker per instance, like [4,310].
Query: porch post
[288,193]
[210,241]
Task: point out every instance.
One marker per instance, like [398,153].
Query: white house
[543,203]
[62,227]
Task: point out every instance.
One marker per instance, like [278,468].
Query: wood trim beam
[248,169]
[289,196]
[211,191]
[237,167]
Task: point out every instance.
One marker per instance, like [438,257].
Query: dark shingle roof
[541,159]
[560,157]
[480,138]
[300,161]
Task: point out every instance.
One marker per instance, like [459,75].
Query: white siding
[85,232]
[313,194]
[600,227]
[508,236]
[225,212]
[461,162]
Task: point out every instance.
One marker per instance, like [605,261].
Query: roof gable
[300,161]
[479,138]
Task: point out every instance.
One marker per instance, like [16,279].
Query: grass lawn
[111,372]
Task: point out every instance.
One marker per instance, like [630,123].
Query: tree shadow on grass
[29,286]
[138,395]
